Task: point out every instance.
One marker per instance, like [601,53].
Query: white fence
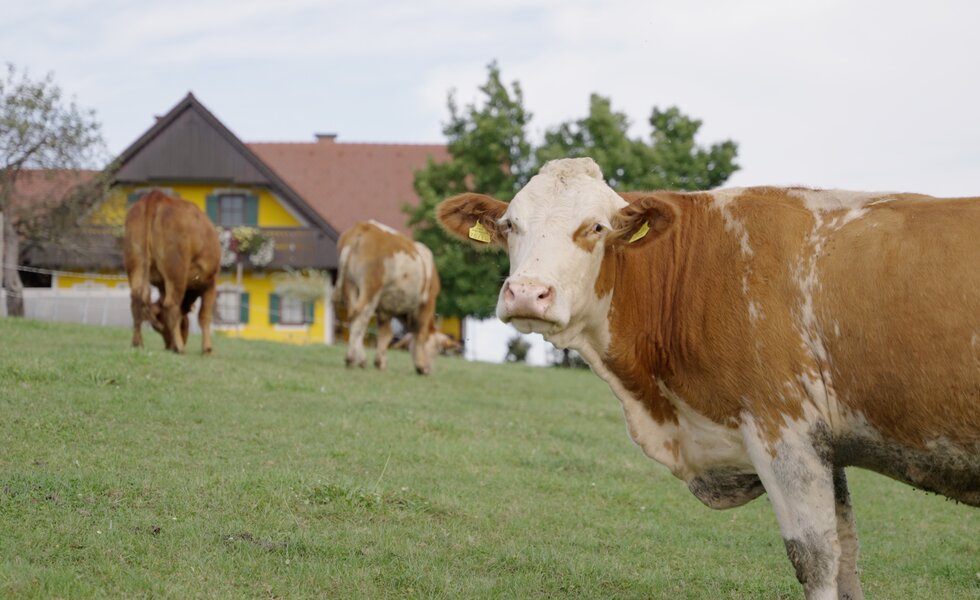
[88,306]
[485,340]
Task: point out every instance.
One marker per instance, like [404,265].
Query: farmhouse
[295,197]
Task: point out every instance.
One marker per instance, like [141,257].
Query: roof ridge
[336,143]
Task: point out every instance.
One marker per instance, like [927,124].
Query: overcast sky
[877,95]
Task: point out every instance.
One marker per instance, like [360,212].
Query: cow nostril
[547,294]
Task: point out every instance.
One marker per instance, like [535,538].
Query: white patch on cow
[808,281]
[588,329]
[384,227]
[705,444]
[544,216]
[823,403]
[722,200]
[801,492]
[404,282]
[428,267]
[836,200]
[850,205]
[652,437]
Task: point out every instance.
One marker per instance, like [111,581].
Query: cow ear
[646,218]
[473,218]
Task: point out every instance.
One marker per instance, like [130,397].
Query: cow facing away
[760,340]
[171,244]
[384,274]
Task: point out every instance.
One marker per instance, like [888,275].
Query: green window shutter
[243,309]
[252,210]
[273,308]
[133,198]
[308,313]
[211,206]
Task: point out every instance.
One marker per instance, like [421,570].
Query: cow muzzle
[526,299]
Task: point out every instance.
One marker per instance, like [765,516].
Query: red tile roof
[350,182]
[39,190]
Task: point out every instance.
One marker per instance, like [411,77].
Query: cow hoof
[423,370]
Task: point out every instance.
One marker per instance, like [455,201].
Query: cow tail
[149,212]
[338,290]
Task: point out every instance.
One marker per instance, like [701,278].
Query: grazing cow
[171,244]
[445,344]
[384,274]
[761,339]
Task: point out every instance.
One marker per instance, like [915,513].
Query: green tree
[40,130]
[490,154]
[670,160]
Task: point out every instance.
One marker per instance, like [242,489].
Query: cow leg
[205,316]
[172,317]
[190,297]
[800,484]
[185,327]
[137,307]
[385,334]
[423,345]
[155,317]
[848,583]
[360,317]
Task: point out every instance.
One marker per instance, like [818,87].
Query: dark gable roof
[189,143]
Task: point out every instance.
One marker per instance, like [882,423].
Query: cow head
[556,231]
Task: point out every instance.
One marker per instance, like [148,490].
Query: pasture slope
[270,471]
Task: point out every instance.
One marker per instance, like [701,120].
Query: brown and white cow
[761,339]
[382,273]
[171,244]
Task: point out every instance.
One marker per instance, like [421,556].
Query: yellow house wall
[111,280]
[259,286]
[271,212]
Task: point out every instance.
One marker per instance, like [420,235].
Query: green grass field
[270,471]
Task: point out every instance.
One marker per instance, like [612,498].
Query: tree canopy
[671,159]
[41,131]
[491,154]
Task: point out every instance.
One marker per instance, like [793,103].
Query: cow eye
[598,228]
[504,226]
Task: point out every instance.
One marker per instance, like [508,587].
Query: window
[231,307]
[284,310]
[291,311]
[233,209]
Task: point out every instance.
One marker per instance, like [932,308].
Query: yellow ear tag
[479,233]
[642,231]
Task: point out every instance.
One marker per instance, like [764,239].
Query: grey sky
[881,95]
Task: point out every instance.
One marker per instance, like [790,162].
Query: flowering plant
[242,242]
[308,285]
